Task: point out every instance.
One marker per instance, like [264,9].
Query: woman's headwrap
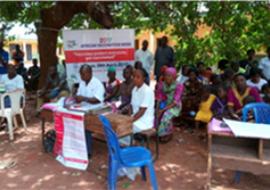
[171,71]
[111,69]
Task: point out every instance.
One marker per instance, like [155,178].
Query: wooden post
[209,162]
[260,149]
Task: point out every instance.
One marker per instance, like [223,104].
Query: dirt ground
[181,165]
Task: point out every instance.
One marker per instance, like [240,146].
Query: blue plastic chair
[261,112]
[126,157]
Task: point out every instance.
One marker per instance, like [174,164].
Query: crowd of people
[195,92]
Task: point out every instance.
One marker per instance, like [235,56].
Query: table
[121,124]
[235,153]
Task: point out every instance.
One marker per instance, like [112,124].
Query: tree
[234,26]
[50,18]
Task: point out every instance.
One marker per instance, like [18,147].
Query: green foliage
[235,26]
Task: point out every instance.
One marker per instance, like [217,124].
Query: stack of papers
[249,130]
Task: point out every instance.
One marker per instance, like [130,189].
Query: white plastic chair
[16,109]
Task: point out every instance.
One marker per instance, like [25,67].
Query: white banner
[71,143]
[100,49]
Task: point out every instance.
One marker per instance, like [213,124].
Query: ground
[181,165]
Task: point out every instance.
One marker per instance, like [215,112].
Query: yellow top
[205,114]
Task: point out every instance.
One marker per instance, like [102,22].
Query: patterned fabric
[236,100]
[169,94]
[110,87]
[219,107]
[191,96]
[166,125]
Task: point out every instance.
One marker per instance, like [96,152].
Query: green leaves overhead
[233,27]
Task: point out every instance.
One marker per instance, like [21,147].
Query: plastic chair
[261,112]
[17,99]
[126,157]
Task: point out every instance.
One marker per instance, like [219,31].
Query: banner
[70,146]
[100,49]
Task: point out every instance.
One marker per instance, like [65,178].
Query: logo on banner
[71,43]
[105,40]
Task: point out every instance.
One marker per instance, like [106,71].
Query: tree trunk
[55,18]
[47,41]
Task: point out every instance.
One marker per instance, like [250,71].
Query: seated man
[12,82]
[54,88]
[90,90]
[21,70]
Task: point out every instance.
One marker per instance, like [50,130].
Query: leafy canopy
[233,27]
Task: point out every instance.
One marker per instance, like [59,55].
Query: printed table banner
[70,145]
[100,49]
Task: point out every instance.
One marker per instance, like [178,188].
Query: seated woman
[112,86]
[191,96]
[54,88]
[169,93]
[204,115]
[142,103]
[238,93]
[126,89]
[139,65]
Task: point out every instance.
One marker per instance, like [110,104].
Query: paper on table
[54,105]
[250,130]
[85,107]
[214,125]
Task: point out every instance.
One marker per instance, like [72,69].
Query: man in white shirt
[264,65]
[91,91]
[145,57]
[12,80]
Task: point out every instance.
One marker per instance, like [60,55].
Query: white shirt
[94,89]
[146,57]
[143,97]
[182,79]
[257,85]
[12,84]
[264,65]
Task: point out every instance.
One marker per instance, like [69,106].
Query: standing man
[264,65]
[91,91]
[145,57]
[33,75]
[163,56]
[3,59]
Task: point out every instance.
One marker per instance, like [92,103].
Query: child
[219,105]
[205,114]
[112,85]
[266,93]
